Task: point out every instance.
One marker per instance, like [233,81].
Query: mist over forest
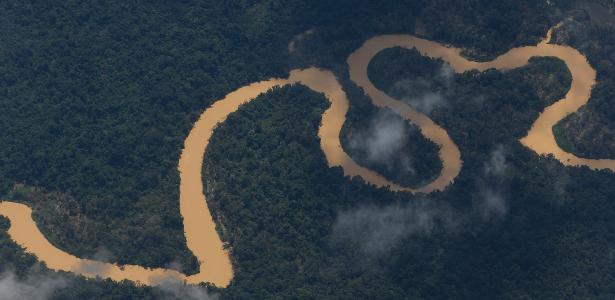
[98,98]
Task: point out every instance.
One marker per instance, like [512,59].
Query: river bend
[200,230]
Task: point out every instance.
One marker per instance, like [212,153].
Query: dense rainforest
[97,99]
[591,132]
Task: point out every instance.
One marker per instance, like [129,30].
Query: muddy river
[199,226]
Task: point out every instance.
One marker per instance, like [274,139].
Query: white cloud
[34,287]
[377,230]
[174,289]
[427,102]
[493,203]
[383,141]
[424,97]
[496,166]
[492,185]
[292,45]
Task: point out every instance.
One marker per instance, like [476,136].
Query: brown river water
[199,226]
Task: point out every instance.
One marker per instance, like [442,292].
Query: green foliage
[278,199]
[591,132]
[97,100]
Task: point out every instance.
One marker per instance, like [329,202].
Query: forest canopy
[98,98]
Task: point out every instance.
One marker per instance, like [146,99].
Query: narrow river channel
[199,226]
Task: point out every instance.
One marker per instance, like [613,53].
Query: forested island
[98,98]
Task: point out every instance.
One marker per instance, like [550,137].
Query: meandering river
[199,226]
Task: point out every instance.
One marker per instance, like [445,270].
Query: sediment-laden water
[199,226]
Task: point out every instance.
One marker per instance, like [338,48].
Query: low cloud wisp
[492,186]
[382,142]
[292,45]
[173,289]
[423,94]
[34,287]
[376,230]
